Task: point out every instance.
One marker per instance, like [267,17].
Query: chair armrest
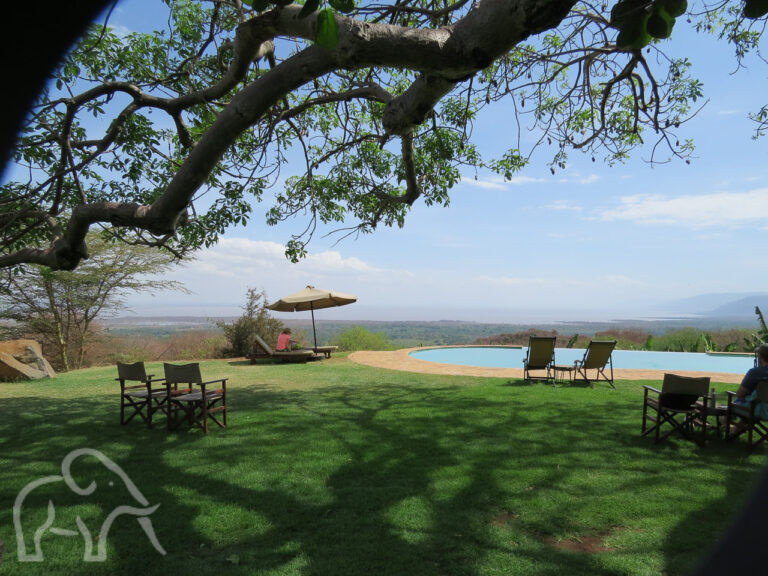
[652,389]
[135,387]
[222,380]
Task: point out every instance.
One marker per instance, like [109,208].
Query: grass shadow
[385,473]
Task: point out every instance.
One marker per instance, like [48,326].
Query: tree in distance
[59,308]
[255,321]
[344,113]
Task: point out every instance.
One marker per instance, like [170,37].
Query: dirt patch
[592,544]
[504,519]
[589,544]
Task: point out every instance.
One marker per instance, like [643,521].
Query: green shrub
[358,338]
[256,320]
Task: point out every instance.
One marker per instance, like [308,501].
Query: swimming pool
[503,357]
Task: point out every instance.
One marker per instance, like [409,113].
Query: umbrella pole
[314,332]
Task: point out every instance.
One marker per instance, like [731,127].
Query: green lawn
[337,469]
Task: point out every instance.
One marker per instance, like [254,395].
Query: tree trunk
[61,342]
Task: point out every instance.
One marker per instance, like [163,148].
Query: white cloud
[564,205]
[558,282]
[499,183]
[121,31]
[579,179]
[588,179]
[220,275]
[692,210]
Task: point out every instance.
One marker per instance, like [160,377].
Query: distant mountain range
[730,305]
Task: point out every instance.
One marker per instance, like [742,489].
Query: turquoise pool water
[630,359]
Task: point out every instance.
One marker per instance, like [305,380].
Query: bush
[358,338]
[682,340]
[256,320]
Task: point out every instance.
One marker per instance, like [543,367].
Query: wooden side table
[712,410]
[563,372]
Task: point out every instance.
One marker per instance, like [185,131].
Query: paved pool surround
[401,360]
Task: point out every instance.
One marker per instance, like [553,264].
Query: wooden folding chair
[753,425]
[142,399]
[194,401]
[675,405]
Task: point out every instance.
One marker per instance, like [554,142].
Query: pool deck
[401,360]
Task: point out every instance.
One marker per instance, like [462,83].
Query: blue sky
[590,242]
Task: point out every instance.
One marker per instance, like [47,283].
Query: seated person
[284,341]
[747,391]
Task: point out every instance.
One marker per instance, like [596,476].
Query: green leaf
[327,30]
[343,6]
[675,8]
[660,23]
[627,11]
[634,35]
[309,7]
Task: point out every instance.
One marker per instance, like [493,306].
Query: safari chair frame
[675,404]
[197,403]
[143,399]
[756,428]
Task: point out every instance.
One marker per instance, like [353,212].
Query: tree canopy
[169,138]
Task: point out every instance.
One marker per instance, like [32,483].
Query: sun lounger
[326,350]
[264,350]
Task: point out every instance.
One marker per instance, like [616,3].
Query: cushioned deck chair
[539,356]
[198,402]
[675,404]
[264,350]
[597,357]
[750,423]
[144,398]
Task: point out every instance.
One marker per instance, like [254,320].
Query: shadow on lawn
[395,480]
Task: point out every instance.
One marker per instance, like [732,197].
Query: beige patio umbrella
[312,299]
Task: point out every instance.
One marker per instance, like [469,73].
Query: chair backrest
[182,373]
[598,353]
[541,351]
[762,391]
[264,346]
[682,391]
[133,371]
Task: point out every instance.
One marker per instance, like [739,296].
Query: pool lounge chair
[539,356]
[597,357]
[264,350]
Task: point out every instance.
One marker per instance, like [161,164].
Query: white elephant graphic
[100,555]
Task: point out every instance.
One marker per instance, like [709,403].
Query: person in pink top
[284,341]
